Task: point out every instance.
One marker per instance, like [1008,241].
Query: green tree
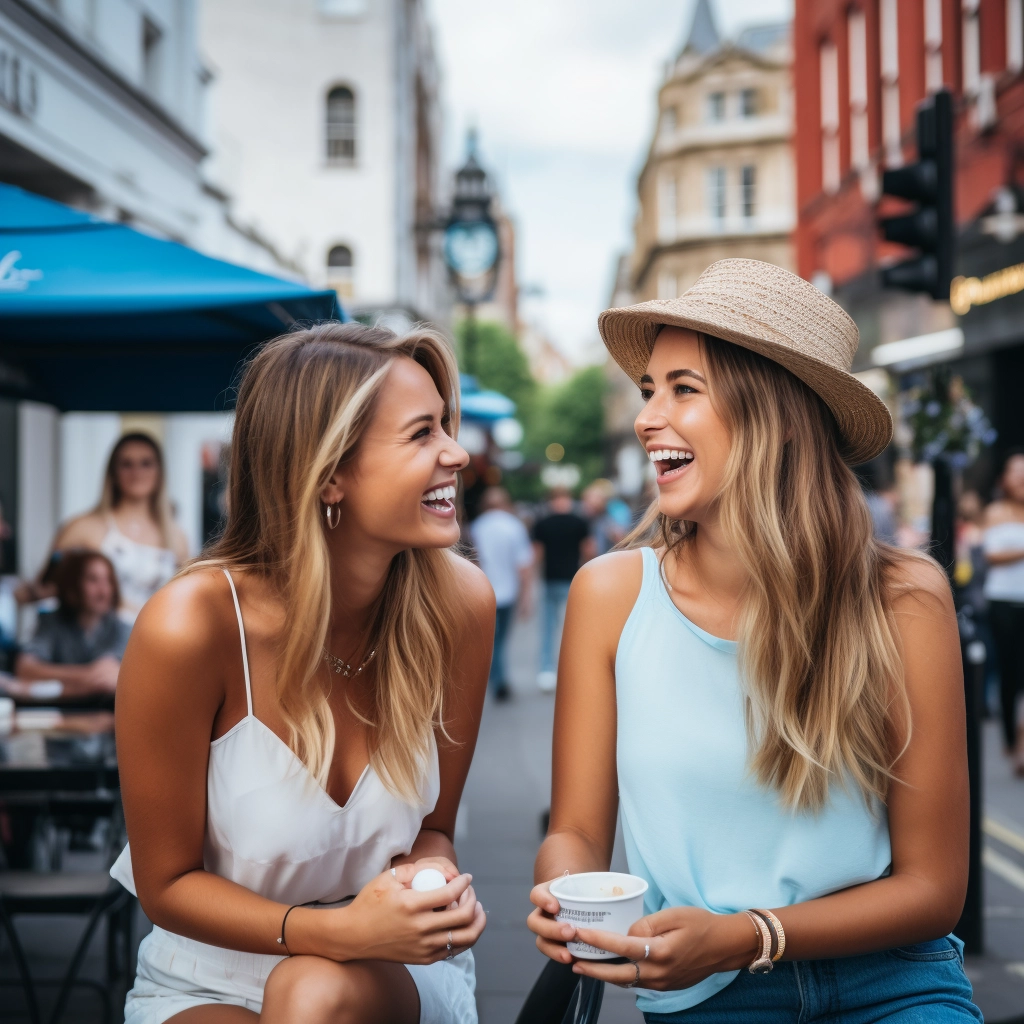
[500,365]
[573,416]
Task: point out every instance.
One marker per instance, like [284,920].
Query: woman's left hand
[674,948]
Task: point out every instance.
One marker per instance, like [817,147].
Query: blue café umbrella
[98,316]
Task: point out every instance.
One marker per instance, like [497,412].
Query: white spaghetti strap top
[142,569]
[271,827]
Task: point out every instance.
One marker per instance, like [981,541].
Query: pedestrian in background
[506,557]
[132,525]
[605,530]
[76,651]
[1004,589]
[559,539]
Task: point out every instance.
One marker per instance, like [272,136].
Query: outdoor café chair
[94,895]
[560,997]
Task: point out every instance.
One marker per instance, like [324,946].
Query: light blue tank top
[696,825]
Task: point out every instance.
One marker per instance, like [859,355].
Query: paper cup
[608,900]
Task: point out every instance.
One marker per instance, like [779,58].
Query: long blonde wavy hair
[303,405]
[159,505]
[819,653]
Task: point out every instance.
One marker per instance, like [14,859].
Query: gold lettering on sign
[965,292]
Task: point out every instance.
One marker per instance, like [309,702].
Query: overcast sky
[562,93]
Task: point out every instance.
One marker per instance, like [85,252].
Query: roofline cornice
[50,33]
[704,240]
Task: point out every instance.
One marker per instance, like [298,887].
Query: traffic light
[929,183]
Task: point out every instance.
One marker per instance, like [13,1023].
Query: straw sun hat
[776,314]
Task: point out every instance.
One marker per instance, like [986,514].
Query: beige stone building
[719,181]
[719,178]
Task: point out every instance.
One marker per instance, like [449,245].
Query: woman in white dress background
[297,712]
[132,525]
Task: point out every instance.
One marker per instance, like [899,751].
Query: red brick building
[861,68]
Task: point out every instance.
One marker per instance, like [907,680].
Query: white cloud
[563,95]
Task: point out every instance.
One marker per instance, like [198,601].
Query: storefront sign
[965,292]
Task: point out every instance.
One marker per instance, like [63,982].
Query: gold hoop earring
[332,515]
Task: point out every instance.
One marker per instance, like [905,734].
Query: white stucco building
[102,107]
[325,126]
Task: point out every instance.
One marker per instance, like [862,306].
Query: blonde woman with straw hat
[770,699]
[297,711]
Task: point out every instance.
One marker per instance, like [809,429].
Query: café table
[61,764]
[59,767]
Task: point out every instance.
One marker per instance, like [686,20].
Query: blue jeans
[502,624]
[556,593]
[922,984]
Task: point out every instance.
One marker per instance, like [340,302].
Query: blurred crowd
[63,644]
[76,614]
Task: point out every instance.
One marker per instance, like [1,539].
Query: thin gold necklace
[343,668]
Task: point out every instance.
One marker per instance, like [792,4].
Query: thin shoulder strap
[241,633]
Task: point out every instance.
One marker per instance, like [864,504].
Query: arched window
[339,271]
[341,125]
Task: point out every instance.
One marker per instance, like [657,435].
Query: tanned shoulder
[918,580]
[476,595]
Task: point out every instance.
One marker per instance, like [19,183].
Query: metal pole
[970,927]
[469,341]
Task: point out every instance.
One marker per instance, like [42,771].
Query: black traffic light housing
[929,183]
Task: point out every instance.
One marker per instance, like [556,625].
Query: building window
[828,59]
[716,106]
[339,271]
[856,34]
[891,134]
[152,57]
[716,194]
[341,125]
[1014,35]
[749,102]
[748,191]
[933,77]
[667,209]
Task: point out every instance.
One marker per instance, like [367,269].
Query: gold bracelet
[778,932]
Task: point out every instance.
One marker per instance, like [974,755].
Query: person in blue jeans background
[561,538]
[506,557]
[767,698]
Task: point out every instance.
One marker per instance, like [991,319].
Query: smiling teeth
[440,494]
[666,454]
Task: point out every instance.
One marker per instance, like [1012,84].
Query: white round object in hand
[428,879]
[608,900]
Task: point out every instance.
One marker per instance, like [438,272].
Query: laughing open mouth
[667,460]
[441,499]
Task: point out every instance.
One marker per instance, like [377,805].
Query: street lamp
[471,247]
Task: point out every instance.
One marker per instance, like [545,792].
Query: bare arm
[928,810]
[175,678]
[998,512]
[99,676]
[584,792]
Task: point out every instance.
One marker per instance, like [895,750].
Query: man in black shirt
[560,537]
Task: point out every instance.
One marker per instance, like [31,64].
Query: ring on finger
[450,953]
[636,980]
[647,951]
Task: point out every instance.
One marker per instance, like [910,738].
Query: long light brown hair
[304,403]
[819,653]
[159,505]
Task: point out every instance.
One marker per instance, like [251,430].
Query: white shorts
[176,973]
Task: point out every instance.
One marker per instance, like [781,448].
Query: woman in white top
[132,525]
[1004,588]
[297,712]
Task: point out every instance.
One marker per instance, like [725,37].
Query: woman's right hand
[390,921]
[551,935]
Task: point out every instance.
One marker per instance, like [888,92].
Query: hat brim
[864,422]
